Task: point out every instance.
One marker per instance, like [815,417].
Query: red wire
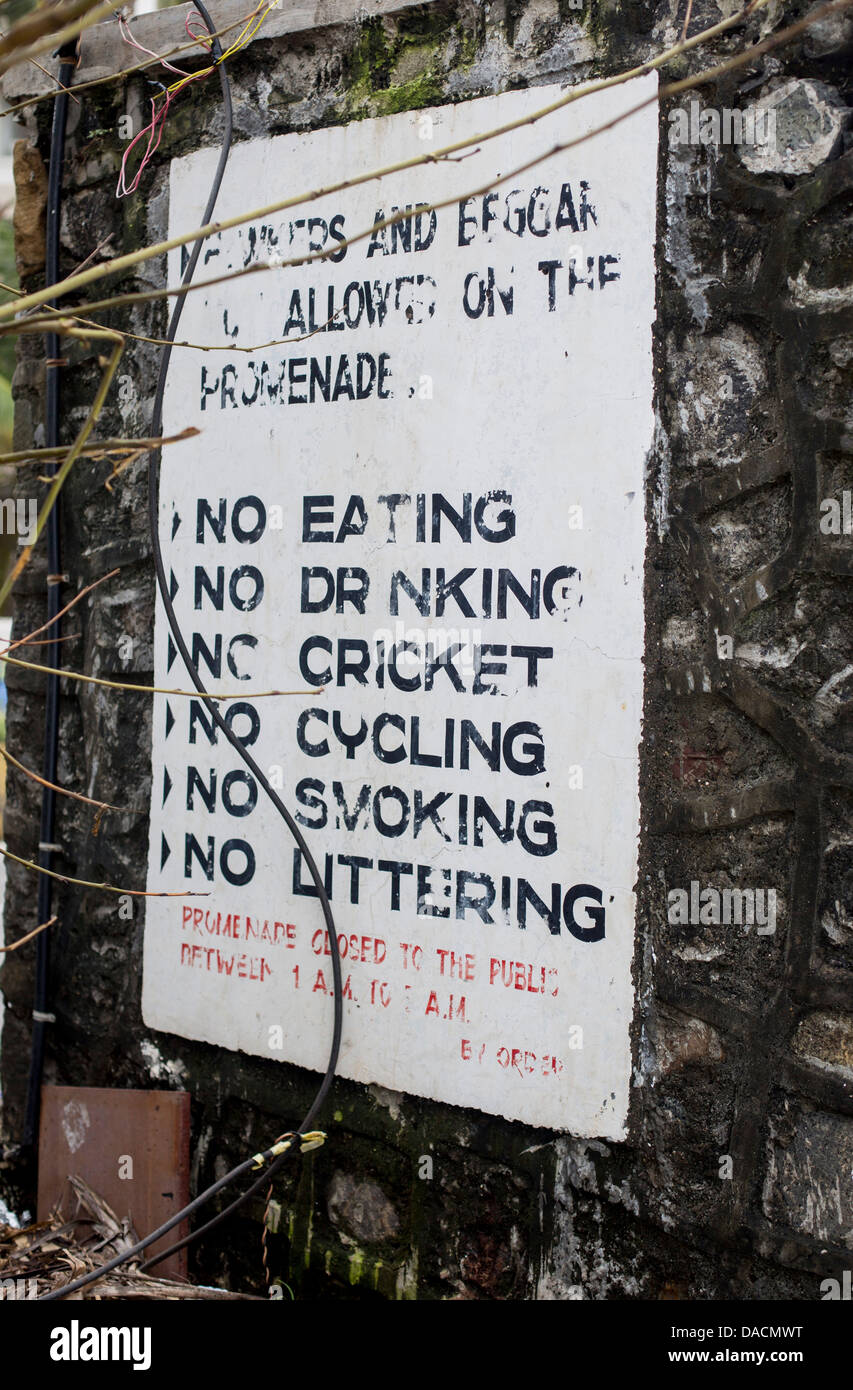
[157,123]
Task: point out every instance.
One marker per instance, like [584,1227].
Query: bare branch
[62,472]
[61,614]
[81,14]
[52,78]
[107,887]
[100,806]
[190,48]
[53,322]
[133,258]
[62,320]
[22,940]
[102,449]
[672,89]
[155,689]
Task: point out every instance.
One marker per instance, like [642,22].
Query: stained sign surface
[416,501]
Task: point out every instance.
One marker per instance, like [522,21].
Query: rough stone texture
[735,1180]
[361,1210]
[30,207]
[827,1041]
[809,119]
[807,1184]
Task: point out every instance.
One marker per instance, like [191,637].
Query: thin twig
[102,449]
[63,320]
[107,887]
[206,347]
[154,689]
[51,77]
[44,641]
[61,614]
[54,38]
[4,950]
[687,20]
[65,468]
[101,806]
[101,244]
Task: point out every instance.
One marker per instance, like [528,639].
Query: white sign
[417,500]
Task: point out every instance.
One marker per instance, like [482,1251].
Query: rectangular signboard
[417,501]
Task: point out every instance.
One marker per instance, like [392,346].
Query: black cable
[266,1176]
[244,1167]
[44,897]
[162,583]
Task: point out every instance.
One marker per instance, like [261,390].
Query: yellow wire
[247,33]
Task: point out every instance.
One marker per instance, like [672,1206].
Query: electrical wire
[221,1216]
[278,1153]
[154,130]
[67,64]
[246,1166]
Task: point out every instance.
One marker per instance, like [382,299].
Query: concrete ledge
[104,52]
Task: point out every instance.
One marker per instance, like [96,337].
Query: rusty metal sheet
[131,1147]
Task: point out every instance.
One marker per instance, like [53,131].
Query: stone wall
[736,1178]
